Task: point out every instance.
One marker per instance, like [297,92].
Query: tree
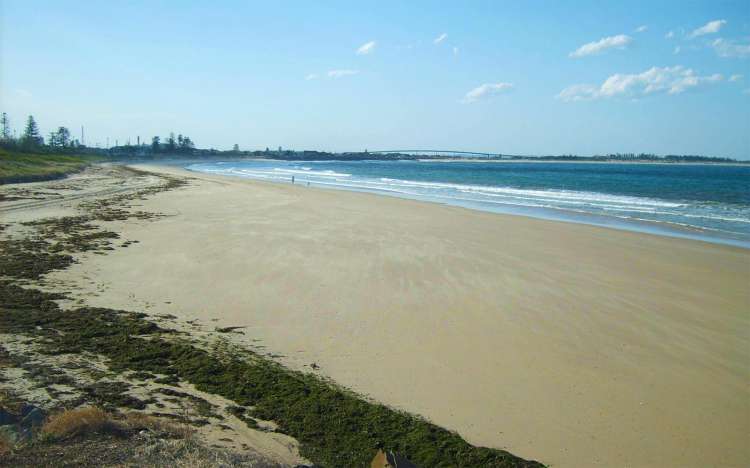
[60,138]
[4,127]
[185,144]
[236,148]
[31,138]
[155,145]
[171,143]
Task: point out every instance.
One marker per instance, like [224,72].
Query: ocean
[701,201]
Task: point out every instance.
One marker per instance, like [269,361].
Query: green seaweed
[30,259]
[334,426]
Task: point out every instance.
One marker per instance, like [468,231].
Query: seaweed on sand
[334,426]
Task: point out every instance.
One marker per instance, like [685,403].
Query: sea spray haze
[710,202]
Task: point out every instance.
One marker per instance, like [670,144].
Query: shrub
[80,421]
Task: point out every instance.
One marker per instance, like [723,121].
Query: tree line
[61,141]
[181,144]
[31,139]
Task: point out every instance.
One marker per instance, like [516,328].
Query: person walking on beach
[292,179]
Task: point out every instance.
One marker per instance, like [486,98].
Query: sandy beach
[570,344]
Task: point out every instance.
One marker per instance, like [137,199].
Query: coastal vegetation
[29,159]
[32,167]
[89,436]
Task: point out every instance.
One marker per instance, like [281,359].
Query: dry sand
[570,344]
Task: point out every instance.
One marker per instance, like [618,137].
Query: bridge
[430,152]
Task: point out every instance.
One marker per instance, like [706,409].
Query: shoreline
[517,332]
[642,226]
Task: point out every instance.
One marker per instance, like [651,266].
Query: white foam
[551,193]
[638,209]
[309,172]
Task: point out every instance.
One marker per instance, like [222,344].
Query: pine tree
[185,144]
[31,138]
[171,145]
[4,127]
[62,137]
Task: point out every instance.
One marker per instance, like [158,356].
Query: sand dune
[570,344]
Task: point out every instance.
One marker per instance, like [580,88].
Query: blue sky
[526,77]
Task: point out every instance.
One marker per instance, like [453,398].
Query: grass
[27,167]
[89,420]
[138,421]
[77,422]
[188,453]
[92,437]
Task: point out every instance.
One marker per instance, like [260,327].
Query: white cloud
[341,73]
[728,48]
[669,35]
[485,91]
[677,50]
[592,48]
[455,51]
[579,92]
[440,38]
[735,78]
[709,28]
[669,80]
[641,29]
[366,48]
[311,76]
